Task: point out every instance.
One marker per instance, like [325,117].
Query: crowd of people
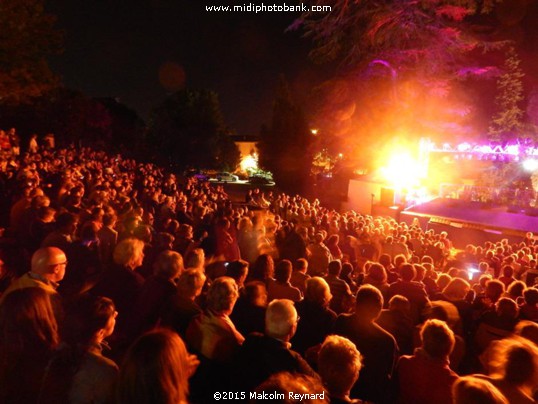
[122,282]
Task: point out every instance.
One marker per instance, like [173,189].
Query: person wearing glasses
[47,270]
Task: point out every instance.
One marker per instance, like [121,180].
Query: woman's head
[196,259]
[222,295]
[377,273]
[333,240]
[191,282]
[169,265]
[263,268]
[339,364]
[27,321]
[129,253]
[156,370]
[457,289]
[437,339]
[531,296]
[318,291]
[238,270]
[507,308]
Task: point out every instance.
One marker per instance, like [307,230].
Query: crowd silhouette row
[122,282]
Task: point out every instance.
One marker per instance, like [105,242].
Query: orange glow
[400,168]
[249,162]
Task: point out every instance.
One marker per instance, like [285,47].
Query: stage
[472,222]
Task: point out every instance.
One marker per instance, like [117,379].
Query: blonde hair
[318,291]
[339,363]
[169,264]
[191,282]
[437,338]
[128,251]
[222,294]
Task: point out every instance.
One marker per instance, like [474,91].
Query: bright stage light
[402,171]
[530,165]
[249,162]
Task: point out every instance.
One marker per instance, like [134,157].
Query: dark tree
[188,130]
[27,38]
[285,145]
[126,126]
[75,118]
[70,115]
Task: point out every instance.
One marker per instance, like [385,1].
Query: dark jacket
[379,350]
[261,356]
[123,286]
[151,300]
[316,323]
[177,313]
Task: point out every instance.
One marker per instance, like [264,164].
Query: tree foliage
[285,145]
[188,130]
[69,114]
[427,36]
[75,118]
[406,68]
[126,126]
[27,38]
[509,116]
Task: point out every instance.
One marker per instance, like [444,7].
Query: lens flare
[402,171]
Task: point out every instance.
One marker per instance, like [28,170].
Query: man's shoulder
[397,285]
[256,342]
[299,276]
[343,321]
[27,281]
[106,231]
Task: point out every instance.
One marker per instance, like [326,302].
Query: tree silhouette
[188,130]
[27,38]
[285,145]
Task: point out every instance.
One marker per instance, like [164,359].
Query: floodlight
[530,165]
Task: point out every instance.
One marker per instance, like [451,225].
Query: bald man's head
[50,263]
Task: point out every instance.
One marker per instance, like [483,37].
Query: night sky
[140,51]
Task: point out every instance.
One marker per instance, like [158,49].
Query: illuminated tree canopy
[429,36]
[508,119]
[409,68]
